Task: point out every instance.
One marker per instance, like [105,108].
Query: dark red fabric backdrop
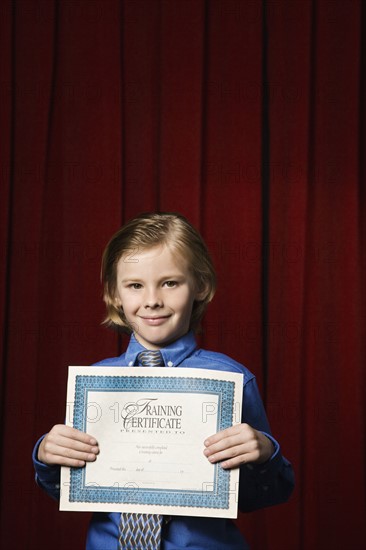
[249,118]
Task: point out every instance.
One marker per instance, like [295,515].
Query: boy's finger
[227,442]
[222,444]
[53,453]
[233,430]
[66,442]
[66,461]
[55,446]
[227,452]
[237,461]
[73,433]
[232,458]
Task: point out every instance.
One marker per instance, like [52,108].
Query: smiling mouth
[155,320]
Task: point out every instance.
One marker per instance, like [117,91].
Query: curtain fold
[110,108]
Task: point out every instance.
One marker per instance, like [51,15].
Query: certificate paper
[150,423]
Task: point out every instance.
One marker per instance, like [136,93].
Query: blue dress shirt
[261,485]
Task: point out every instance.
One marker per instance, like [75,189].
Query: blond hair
[146,231]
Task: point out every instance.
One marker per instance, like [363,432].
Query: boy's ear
[201,293]
[117,301]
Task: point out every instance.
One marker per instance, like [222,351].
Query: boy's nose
[153,299]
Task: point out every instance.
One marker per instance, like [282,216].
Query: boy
[158,279]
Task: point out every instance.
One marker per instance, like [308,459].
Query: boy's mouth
[157,320]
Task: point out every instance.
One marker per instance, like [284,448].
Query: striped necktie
[142,531]
[151,358]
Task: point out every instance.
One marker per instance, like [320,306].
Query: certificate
[151,424]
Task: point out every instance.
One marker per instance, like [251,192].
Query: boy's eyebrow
[171,275]
[161,278]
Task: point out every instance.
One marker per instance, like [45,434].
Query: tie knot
[150,358]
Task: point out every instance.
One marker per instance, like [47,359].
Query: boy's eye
[170,284]
[135,286]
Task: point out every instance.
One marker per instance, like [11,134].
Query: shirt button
[170,364]
[130,364]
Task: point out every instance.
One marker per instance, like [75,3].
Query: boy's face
[156,292]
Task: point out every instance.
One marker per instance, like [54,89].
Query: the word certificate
[151,424]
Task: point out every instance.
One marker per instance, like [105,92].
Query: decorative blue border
[217,497]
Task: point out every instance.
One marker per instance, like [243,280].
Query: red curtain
[248,117]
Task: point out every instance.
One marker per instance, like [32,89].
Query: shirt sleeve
[271,482]
[47,477]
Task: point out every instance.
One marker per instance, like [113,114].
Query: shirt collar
[173,354]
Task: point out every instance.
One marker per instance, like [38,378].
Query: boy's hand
[67,446]
[238,445]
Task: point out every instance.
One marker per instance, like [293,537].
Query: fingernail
[93,441]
